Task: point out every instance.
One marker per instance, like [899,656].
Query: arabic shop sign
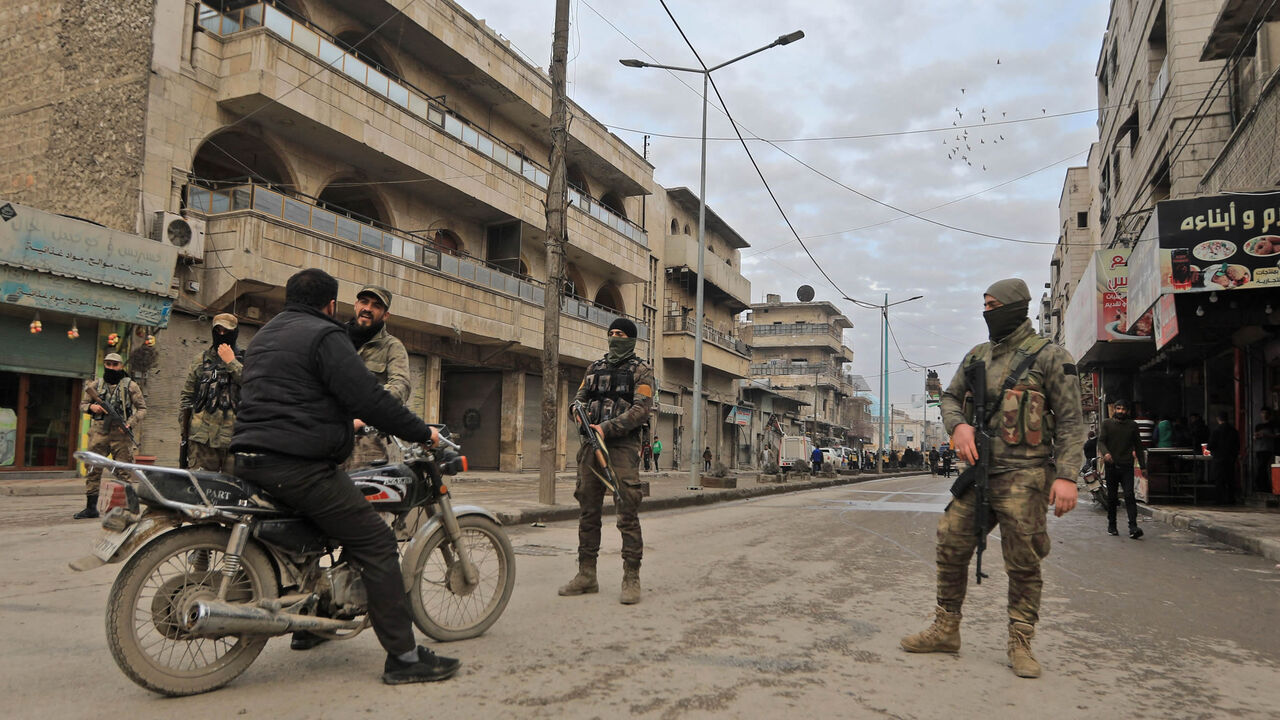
[1221,242]
[42,291]
[49,243]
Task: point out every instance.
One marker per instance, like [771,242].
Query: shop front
[70,292]
[1207,270]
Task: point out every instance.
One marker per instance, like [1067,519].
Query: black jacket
[1121,438]
[1224,442]
[302,386]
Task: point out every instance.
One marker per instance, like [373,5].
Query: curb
[1265,547]
[33,489]
[556,513]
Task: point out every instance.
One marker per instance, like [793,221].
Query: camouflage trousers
[367,450]
[1019,503]
[624,455]
[114,444]
[205,457]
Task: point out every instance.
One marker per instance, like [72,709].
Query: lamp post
[884,362]
[695,482]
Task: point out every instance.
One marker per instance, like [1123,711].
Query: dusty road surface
[786,606]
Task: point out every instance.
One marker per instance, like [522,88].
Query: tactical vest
[214,389]
[117,396]
[609,390]
[1021,410]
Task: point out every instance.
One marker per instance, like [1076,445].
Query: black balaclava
[222,335]
[112,376]
[359,334]
[1015,300]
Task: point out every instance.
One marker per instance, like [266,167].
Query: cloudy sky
[866,104]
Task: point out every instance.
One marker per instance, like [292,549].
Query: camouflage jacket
[387,359]
[125,395]
[628,424]
[1054,374]
[211,427]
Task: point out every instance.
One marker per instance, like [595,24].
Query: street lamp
[884,361]
[695,482]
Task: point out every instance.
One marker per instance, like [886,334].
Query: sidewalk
[513,497]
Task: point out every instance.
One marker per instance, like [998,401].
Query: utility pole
[557,201]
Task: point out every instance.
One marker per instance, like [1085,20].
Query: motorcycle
[213,567]
[1090,480]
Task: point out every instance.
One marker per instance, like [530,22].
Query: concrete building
[725,357]
[395,142]
[1073,252]
[798,349]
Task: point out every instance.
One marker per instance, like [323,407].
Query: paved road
[785,605]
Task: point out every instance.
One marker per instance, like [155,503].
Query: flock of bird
[960,148]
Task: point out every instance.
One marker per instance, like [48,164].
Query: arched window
[576,178]
[352,195]
[364,47]
[235,156]
[447,241]
[686,228]
[675,226]
[612,201]
[609,296]
[574,284]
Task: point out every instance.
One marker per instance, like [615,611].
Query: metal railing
[683,323]
[381,238]
[795,329]
[781,368]
[328,50]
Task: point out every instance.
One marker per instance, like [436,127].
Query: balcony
[790,375]
[354,107]
[724,286]
[797,335]
[720,350]
[257,233]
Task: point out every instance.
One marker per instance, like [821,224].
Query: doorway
[39,419]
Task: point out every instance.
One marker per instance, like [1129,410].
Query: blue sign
[50,292]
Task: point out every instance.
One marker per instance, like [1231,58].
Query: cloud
[861,69]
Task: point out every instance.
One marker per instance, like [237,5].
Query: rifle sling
[1023,365]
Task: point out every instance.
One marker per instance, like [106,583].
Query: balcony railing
[328,50]
[795,329]
[820,369]
[682,323]
[380,238]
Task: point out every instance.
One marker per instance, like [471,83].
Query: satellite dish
[805,293]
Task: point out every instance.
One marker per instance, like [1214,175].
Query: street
[785,605]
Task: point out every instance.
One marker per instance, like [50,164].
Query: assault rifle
[609,478]
[978,474]
[113,415]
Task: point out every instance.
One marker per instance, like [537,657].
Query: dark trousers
[624,455]
[326,496]
[1262,478]
[1223,472]
[1118,475]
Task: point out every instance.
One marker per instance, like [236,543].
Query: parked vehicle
[215,568]
[792,448]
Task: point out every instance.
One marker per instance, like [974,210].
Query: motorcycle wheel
[144,622]
[444,606]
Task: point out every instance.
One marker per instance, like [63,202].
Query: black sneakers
[304,640]
[1135,532]
[1111,530]
[429,668]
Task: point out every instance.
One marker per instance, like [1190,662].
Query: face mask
[112,376]
[620,348]
[221,336]
[1002,321]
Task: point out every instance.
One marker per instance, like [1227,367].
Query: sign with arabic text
[41,291]
[1219,242]
[49,243]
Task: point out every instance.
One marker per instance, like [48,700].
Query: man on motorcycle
[303,385]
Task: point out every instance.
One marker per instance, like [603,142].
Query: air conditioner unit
[186,234]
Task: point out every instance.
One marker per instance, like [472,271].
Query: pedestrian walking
[1025,371]
[210,397]
[706,460]
[115,393]
[617,391]
[1119,443]
[657,451]
[815,461]
[1224,449]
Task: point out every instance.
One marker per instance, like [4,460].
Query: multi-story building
[395,142]
[1073,252]
[725,357]
[798,349]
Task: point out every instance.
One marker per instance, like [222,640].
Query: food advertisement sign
[1113,320]
[1220,242]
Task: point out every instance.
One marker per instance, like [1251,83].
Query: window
[1082,219]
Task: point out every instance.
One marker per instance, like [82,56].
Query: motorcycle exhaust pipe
[213,617]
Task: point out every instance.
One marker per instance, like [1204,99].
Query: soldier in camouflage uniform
[1038,438]
[386,358]
[105,436]
[618,394]
[210,397]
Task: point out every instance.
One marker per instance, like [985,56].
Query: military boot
[942,636]
[1020,658]
[630,584]
[90,510]
[584,582]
